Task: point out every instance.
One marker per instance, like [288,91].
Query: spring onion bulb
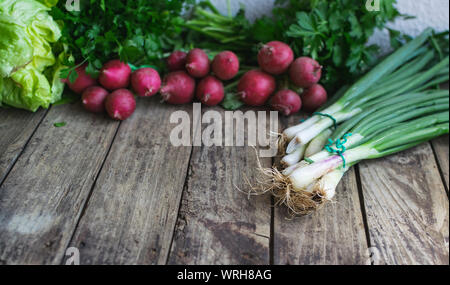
[329,182]
[318,143]
[294,157]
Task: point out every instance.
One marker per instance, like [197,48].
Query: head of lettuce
[30,57]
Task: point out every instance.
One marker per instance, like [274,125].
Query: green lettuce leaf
[1,90]
[28,66]
[16,49]
[53,76]
[49,3]
[27,88]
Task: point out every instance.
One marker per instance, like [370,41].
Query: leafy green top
[136,31]
[333,32]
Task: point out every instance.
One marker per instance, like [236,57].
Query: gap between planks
[186,181]
[8,158]
[440,147]
[363,208]
[83,210]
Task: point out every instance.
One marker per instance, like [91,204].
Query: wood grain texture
[334,235]
[16,128]
[407,208]
[43,196]
[441,149]
[132,212]
[217,223]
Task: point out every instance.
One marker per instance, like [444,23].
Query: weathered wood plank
[332,235]
[42,197]
[132,212]
[217,223]
[441,149]
[407,208]
[16,128]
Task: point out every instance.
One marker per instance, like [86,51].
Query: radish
[177,61]
[225,65]
[305,72]
[115,75]
[120,104]
[314,97]
[93,99]
[197,63]
[178,88]
[145,82]
[82,82]
[286,101]
[255,87]
[275,57]
[210,91]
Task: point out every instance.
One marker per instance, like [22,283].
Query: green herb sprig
[135,31]
[335,33]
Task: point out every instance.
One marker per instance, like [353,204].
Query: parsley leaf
[73,75]
[59,125]
[232,102]
[336,33]
[132,30]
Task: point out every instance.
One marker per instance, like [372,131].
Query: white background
[429,13]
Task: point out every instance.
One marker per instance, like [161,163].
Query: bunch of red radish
[276,59]
[255,88]
[110,91]
[180,86]
[194,75]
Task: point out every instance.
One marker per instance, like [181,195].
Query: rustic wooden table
[122,194]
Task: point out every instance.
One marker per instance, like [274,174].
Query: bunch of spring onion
[392,108]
